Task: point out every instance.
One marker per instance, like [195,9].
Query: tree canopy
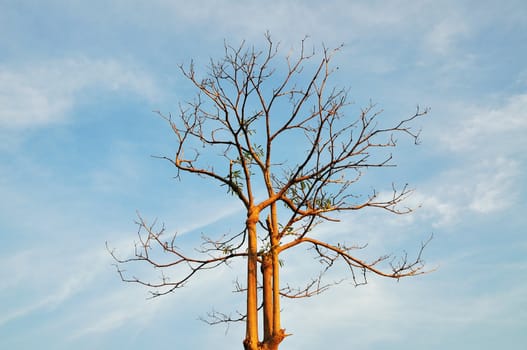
[276,134]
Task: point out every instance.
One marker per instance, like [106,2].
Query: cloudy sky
[79,81]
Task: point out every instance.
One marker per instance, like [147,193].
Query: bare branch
[153,249]
[328,253]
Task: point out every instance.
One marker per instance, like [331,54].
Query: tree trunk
[251,332]
[268,302]
[273,342]
[273,334]
[275,242]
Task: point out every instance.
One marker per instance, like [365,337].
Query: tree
[247,107]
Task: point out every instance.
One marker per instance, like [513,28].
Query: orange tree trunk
[251,333]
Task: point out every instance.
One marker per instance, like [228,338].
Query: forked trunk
[273,334]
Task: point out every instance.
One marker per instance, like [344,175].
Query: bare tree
[248,106]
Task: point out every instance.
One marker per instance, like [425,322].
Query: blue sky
[78,82]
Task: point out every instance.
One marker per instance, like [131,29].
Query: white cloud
[388,311]
[289,21]
[493,129]
[445,34]
[111,311]
[43,93]
[487,144]
[494,189]
[126,305]
[55,279]
[486,187]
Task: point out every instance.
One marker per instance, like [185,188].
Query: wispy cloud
[480,188]
[446,34]
[41,93]
[333,20]
[67,279]
[486,129]
[424,305]
[127,305]
[488,146]
[112,311]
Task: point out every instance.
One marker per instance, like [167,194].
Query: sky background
[79,81]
